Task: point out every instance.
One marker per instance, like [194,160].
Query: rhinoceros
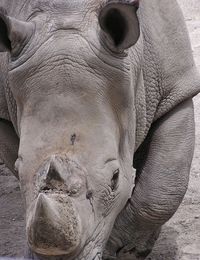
[96,121]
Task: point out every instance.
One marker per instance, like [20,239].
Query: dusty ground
[180,238]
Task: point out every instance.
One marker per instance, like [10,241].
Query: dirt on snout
[180,237]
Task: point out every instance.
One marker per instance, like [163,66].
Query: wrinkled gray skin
[86,86]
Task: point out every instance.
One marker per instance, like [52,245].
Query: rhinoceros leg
[163,165]
[9,143]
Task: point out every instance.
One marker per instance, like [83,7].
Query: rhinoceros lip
[53,225]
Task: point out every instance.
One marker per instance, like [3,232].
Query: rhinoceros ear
[119,22]
[14,34]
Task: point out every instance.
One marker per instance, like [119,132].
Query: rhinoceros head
[71,76]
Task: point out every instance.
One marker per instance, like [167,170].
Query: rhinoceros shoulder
[4,114]
[169,72]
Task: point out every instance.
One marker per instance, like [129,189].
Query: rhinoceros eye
[115,180]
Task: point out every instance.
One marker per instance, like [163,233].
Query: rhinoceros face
[73,86]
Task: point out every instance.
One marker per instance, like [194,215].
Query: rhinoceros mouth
[53,225]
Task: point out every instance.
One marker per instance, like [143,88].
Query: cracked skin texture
[168,74]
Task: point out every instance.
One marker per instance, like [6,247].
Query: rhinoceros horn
[53,227]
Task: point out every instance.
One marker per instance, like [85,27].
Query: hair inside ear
[5,43]
[116,26]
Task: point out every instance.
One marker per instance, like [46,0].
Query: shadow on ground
[166,247]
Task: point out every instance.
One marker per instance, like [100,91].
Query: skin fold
[96,122]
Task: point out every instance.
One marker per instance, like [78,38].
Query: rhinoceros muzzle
[53,223]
